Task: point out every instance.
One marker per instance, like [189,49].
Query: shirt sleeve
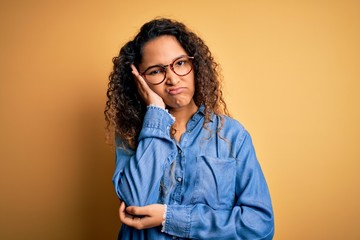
[137,173]
[250,218]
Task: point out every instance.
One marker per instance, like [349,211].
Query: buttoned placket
[178,178]
[181,160]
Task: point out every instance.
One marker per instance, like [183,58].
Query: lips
[174,91]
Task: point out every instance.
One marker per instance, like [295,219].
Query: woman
[184,168]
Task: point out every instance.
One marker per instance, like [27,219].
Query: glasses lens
[182,66]
[155,74]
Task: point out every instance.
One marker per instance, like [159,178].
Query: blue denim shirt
[211,182]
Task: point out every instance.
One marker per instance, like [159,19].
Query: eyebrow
[162,65]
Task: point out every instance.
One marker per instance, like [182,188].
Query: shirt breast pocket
[215,182]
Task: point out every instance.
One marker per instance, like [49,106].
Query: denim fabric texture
[211,181]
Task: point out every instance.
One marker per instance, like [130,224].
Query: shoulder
[231,125]
[233,131]
[233,122]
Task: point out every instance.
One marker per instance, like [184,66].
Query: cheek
[157,89]
[192,77]
[192,82]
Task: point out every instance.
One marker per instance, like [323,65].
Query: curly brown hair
[125,109]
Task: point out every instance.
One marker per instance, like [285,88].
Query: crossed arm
[142,217]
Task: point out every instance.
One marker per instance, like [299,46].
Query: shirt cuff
[157,118]
[178,221]
[164,218]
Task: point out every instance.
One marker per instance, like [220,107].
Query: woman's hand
[142,217]
[149,96]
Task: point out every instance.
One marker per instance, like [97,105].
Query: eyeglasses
[181,66]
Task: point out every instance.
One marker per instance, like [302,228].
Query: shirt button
[179,179]
[179,151]
[174,237]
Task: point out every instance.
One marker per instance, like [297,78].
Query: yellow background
[291,72]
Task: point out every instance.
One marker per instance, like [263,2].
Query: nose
[171,77]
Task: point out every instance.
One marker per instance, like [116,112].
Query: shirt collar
[201,113]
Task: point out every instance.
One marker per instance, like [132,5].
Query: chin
[179,104]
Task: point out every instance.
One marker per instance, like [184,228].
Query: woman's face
[176,91]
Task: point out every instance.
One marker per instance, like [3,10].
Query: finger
[142,222]
[122,204]
[129,219]
[134,70]
[134,222]
[147,222]
[139,222]
[137,75]
[133,210]
[122,211]
[140,82]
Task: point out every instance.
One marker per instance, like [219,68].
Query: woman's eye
[154,72]
[180,62]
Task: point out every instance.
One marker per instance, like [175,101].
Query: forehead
[161,50]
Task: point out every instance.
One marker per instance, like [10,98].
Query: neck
[183,114]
